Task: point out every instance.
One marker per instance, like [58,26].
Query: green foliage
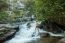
[3,5]
[16,14]
[3,9]
[42,9]
[3,16]
[48,8]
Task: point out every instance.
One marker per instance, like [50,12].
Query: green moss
[3,16]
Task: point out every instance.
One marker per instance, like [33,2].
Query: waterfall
[27,31]
[25,34]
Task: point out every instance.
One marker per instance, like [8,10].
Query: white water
[25,34]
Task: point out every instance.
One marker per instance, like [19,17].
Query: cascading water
[27,30]
[26,33]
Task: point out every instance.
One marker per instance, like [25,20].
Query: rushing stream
[25,34]
[27,30]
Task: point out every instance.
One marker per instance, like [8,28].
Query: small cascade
[25,34]
[27,30]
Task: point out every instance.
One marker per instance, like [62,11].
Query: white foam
[25,34]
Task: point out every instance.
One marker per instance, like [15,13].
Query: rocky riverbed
[53,33]
[7,31]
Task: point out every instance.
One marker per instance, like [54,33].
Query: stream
[25,34]
[27,31]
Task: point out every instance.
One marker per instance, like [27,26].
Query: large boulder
[7,33]
[50,27]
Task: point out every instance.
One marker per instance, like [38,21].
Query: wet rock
[50,27]
[7,33]
[62,40]
[56,35]
[47,40]
[16,27]
[50,34]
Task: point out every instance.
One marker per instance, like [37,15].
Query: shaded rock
[7,33]
[50,27]
[16,27]
[62,40]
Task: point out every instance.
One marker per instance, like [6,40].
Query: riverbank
[49,37]
[7,32]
